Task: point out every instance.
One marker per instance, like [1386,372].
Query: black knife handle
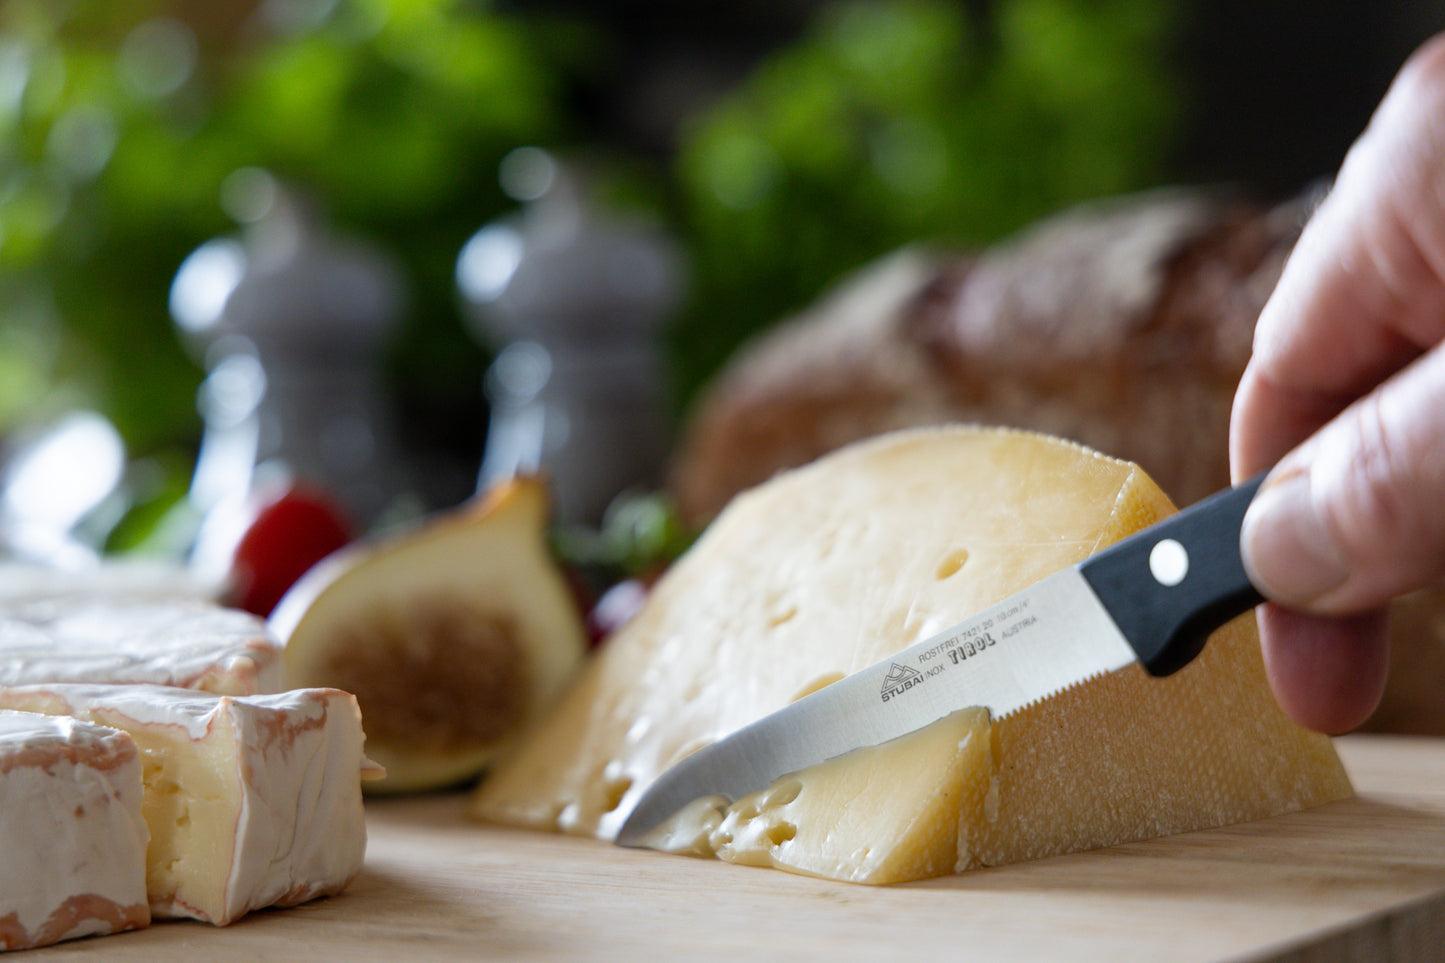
[1164,609]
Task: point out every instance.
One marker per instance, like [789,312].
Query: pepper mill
[289,320]
[571,298]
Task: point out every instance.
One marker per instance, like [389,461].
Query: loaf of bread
[1124,324]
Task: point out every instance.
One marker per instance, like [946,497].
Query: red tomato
[289,534]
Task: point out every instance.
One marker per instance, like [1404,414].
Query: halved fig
[452,636]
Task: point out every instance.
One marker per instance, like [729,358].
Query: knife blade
[1151,598]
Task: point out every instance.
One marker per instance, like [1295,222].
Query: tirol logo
[900,679]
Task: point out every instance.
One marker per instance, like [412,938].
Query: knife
[1151,598]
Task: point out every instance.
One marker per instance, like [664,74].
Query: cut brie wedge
[250,801]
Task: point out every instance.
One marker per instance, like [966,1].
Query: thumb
[1355,516]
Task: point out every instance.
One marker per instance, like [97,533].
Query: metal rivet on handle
[1168,562]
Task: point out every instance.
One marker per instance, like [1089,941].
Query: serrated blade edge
[1052,635]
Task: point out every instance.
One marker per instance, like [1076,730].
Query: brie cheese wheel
[111,579]
[189,643]
[251,801]
[832,567]
[71,832]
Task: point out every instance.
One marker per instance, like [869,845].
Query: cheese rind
[71,831]
[832,567]
[189,643]
[1205,747]
[251,801]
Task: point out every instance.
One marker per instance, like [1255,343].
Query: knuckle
[1379,499]
[1385,512]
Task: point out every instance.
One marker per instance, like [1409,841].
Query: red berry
[289,534]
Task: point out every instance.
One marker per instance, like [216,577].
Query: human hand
[1345,397]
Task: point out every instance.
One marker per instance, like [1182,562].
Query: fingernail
[1287,549]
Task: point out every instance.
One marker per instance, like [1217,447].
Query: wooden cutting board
[1357,880]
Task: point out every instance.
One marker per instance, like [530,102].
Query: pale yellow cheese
[834,566]
[843,819]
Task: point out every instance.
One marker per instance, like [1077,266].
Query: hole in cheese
[813,685]
[782,793]
[782,616]
[780,832]
[951,564]
[616,789]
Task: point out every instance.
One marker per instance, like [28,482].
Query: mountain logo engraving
[900,679]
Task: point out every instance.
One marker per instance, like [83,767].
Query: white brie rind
[71,832]
[189,643]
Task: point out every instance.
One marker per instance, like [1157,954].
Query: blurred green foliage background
[867,126]
[120,123]
[890,123]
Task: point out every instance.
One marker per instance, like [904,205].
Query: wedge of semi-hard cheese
[71,833]
[250,801]
[190,643]
[829,568]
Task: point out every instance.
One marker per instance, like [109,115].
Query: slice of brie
[177,642]
[250,801]
[71,832]
[832,567]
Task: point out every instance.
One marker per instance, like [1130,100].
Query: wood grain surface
[1356,880]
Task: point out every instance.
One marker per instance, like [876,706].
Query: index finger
[1363,292]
